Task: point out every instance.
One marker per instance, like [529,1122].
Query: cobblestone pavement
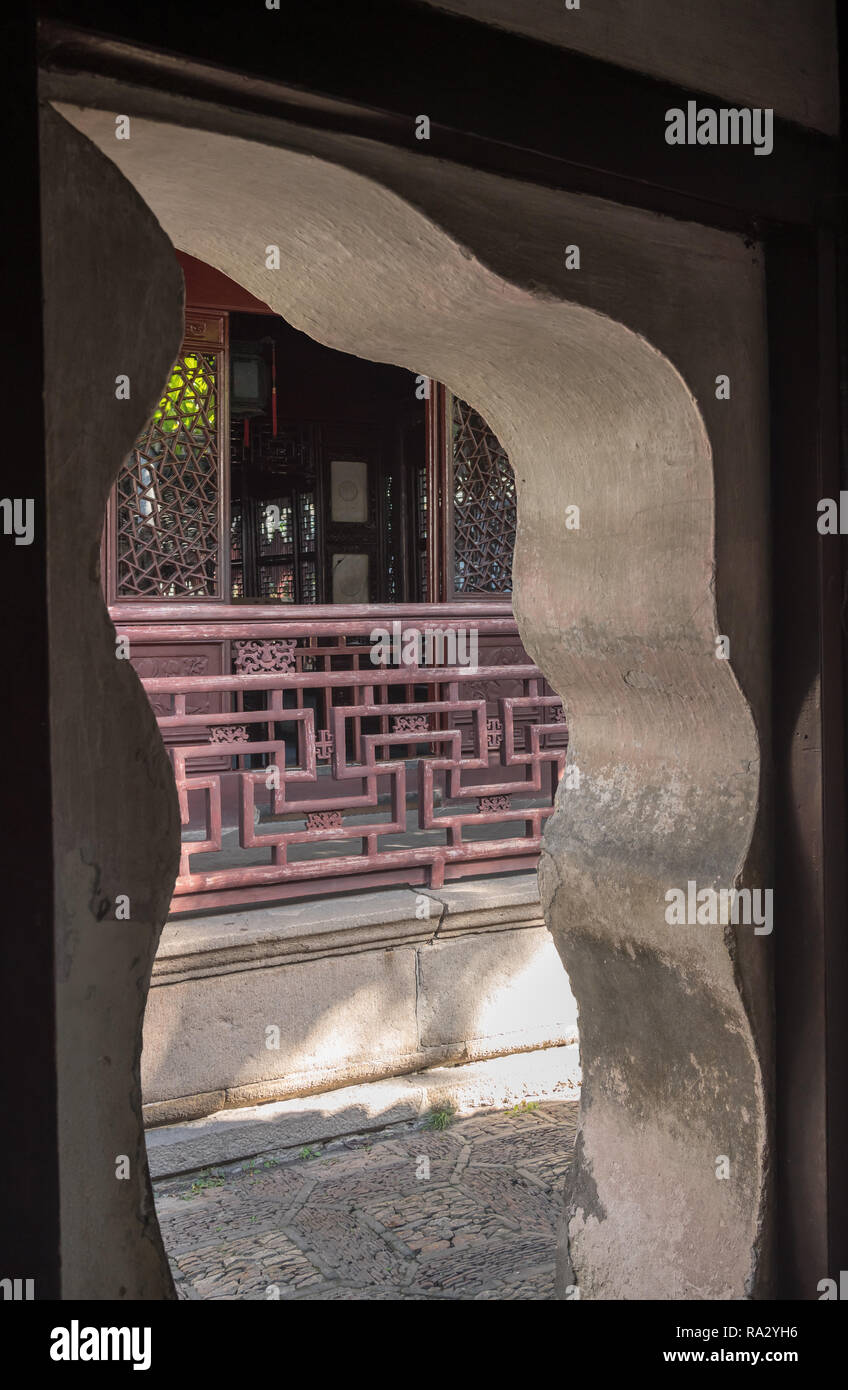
[468,1212]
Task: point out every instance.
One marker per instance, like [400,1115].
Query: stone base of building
[267,1005]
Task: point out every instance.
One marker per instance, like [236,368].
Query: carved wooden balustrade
[303,766]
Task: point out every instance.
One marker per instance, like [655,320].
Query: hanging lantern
[248,381]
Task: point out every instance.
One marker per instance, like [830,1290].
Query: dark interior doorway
[327,472]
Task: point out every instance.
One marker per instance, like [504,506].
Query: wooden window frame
[441,557]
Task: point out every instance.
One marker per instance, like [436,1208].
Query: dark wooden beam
[496,100]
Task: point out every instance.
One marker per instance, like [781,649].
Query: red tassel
[247,431]
[274,389]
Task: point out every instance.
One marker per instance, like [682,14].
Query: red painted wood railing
[312,769]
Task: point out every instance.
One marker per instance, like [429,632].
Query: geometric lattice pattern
[364,809]
[494,733]
[167,491]
[417,789]
[483,506]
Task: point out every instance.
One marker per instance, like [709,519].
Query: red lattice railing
[309,769]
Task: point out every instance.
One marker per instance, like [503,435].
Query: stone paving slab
[466,1212]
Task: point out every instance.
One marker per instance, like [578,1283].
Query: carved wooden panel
[170,661]
[204,330]
[184,659]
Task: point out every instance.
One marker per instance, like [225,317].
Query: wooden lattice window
[481,501]
[167,506]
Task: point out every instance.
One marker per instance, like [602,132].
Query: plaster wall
[111,286]
[601,385]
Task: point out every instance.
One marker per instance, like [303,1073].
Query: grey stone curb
[231,1135]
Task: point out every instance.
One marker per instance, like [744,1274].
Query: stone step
[232,1135]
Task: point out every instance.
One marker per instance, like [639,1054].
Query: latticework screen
[483,505]
[167,493]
